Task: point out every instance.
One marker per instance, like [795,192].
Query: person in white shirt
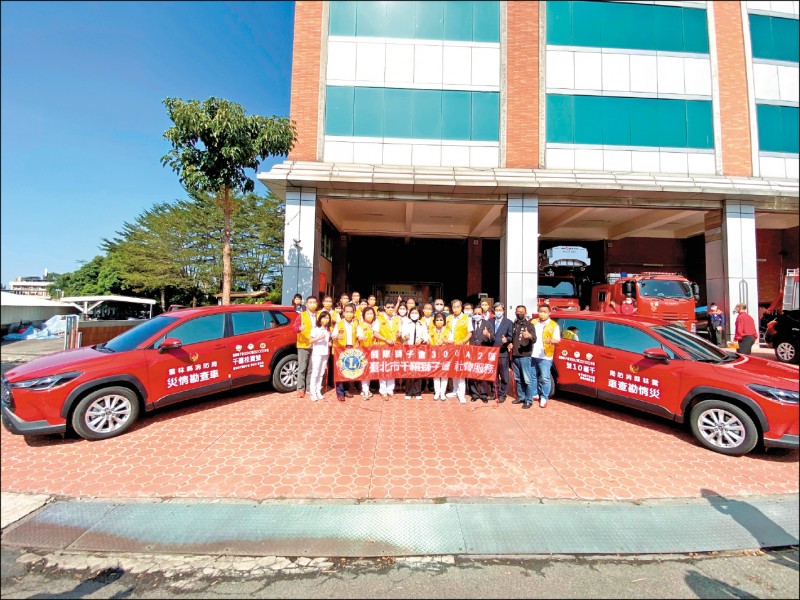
[414,333]
[548,335]
[320,349]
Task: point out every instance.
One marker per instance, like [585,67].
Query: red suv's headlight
[44,383]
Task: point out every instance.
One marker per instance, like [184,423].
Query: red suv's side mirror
[169,344]
[656,354]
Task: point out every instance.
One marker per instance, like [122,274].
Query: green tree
[213,142]
[97,277]
[258,235]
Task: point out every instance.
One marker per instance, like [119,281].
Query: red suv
[100,390]
[730,400]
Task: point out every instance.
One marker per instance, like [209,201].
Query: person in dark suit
[503,330]
[482,335]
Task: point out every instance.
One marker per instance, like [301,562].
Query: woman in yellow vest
[440,335]
[365,337]
[345,335]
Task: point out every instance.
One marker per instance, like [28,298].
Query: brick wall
[97,332]
[522,98]
[305,78]
[733,102]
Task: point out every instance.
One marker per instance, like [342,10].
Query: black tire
[284,376]
[105,413]
[723,427]
[785,351]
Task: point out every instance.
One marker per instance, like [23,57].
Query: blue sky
[83,85]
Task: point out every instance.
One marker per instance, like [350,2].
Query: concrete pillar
[520,251]
[300,244]
[474,266]
[731,267]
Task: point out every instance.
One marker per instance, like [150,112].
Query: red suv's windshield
[696,347]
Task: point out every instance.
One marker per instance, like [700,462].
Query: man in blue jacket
[503,330]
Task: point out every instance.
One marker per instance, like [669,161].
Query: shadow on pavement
[92,585]
[705,587]
[760,526]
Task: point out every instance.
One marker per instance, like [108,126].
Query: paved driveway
[259,445]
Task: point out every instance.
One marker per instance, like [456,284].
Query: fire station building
[443,145]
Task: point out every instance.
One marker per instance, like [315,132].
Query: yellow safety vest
[547,335]
[368,334]
[341,328]
[388,329]
[439,336]
[304,335]
[460,327]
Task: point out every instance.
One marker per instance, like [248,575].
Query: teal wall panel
[621,121]
[644,123]
[397,116]
[339,111]
[400,19]
[777,128]
[559,23]
[774,38]
[368,107]
[623,25]
[671,123]
[587,121]
[485,22]
[342,18]
[410,113]
[456,116]
[371,19]
[698,116]
[485,117]
[426,114]
[463,21]
[560,119]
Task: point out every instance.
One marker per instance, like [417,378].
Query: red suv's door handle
[219,347]
[606,355]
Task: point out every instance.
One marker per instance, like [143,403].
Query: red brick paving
[265,445]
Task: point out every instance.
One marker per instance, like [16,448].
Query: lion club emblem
[352,363]
[194,357]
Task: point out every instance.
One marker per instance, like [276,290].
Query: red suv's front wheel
[105,413]
[723,427]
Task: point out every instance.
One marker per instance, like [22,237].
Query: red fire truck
[559,286]
[668,296]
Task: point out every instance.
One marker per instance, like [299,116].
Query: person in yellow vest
[327,306]
[548,335]
[440,335]
[461,326]
[427,320]
[386,331]
[365,337]
[303,324]
[345,335]
[355,300]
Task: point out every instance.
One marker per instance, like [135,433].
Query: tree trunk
[163,300]
[226,249]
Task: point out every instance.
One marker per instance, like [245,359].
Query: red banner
[414,362]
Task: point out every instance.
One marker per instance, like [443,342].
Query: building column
[300,244]
[520,251]
[474,266]
[731,267]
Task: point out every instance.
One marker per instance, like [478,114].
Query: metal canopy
[98,300]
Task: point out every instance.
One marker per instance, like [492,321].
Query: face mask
[520,316]
[415,317]
[498,314]
[402,312]
[477,317]
[468,312]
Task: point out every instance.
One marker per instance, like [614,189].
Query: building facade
[443,145]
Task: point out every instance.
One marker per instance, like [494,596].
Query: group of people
[526,346]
